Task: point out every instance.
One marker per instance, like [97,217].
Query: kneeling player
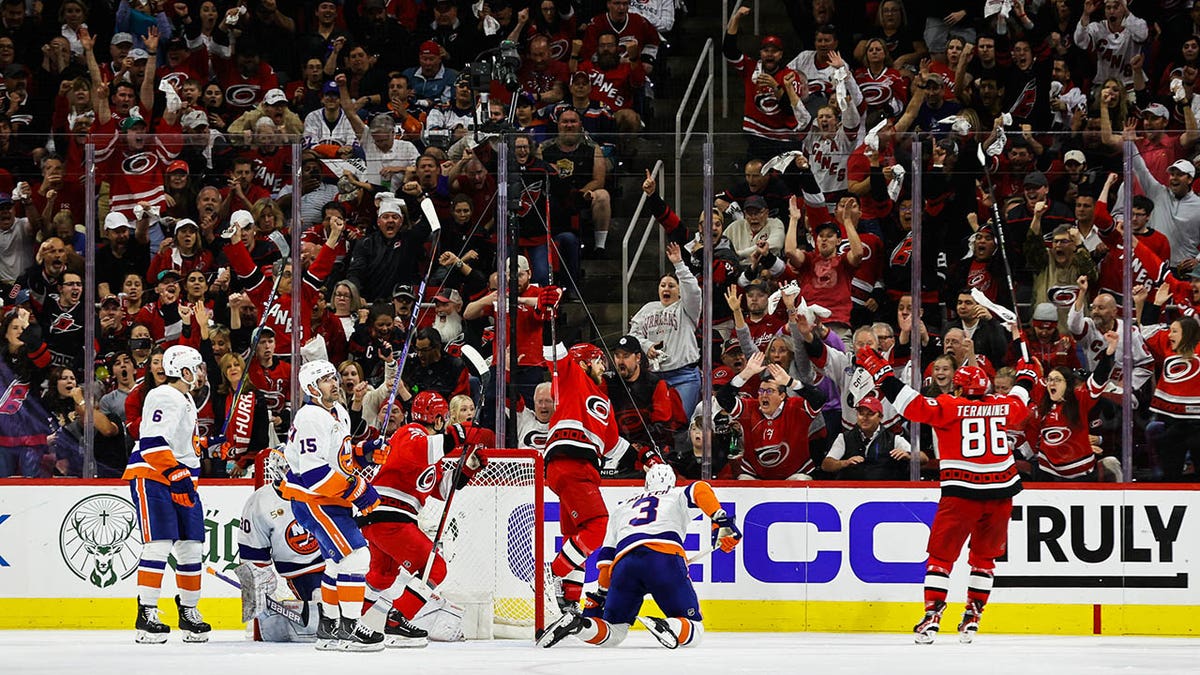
[643,553]
[269,541]
[410,472]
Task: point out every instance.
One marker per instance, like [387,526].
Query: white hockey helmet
[312,372]
[659,478]
[275,465]
[179,357]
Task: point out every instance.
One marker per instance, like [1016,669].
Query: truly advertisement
[828,544]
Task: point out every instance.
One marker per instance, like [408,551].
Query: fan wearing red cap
[431,81]
[869,451]
[978,474]
[773,111]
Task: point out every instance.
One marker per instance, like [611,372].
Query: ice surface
[228,653]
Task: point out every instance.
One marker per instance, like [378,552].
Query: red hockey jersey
[583,424]
[1064,449]
[776,447]
[412,472]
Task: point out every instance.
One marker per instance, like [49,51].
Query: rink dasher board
[819,557]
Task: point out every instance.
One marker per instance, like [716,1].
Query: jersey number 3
[980,435]
[648,512]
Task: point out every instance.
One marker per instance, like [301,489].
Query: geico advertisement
[1091,546]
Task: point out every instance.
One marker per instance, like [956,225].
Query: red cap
[771,42]
[871,403]
[429,47]
[178,165]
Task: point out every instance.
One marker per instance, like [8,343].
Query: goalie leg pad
[442,619]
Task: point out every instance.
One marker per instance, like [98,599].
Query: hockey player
[163,472]
[979,478]
[410,472]
[270,541]
[643,553]
[323,492]
[582,433]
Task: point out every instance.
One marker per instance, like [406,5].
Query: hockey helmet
[659,478]
[312,372]
[275,465]
[179,357]
[427,406]
[973,380]
[585,351]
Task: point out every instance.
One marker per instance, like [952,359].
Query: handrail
[705,95]
[628,266]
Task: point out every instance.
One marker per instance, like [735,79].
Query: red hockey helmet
[585,351]
[973,380]
[427,406]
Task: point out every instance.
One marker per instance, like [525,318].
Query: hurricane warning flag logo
[98,542]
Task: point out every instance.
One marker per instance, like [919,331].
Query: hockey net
[493,543]
[494,547]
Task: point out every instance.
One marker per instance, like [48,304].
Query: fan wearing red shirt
[868,172]
[825,274]
[616,80]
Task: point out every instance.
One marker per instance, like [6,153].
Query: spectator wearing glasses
[1056,270]
[433,369]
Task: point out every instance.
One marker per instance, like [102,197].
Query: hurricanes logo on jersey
[1055,436]
[139,163]
[242,95]
[597,407]
[427,479]
[1179,369]
[875,93]
[771,455]
[766,101]
[299,540]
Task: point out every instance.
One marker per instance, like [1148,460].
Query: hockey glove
[548,297]
[593,604]
[873,363]
[362,494]
[725,532]
[648,455]
[1027,369]
[375,449]
[183,490]
[472,465]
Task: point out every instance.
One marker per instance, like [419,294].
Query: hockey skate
[358,637]
[150,631]
[925,631]
[194,627]
[327,632]
[399,633]
[970,623]
[570,623]
[661,630]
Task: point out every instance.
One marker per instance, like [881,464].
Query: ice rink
[23,652]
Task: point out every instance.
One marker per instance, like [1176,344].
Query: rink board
[827,557]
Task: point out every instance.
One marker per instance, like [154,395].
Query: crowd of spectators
[193,108]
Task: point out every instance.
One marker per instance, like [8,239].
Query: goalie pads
[442,619]
[257,582]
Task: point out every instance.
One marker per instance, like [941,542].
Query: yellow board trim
[764,616]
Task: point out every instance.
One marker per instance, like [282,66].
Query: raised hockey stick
[1012,288]
[435,226]
[251,607]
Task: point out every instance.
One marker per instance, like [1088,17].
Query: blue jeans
[567,244]
[686,382]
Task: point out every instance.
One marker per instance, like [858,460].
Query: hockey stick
[435,226]
[553,309]
[702,555]
[1012,288]
[273,605]
[437,537]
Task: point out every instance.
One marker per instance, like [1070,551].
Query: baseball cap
[275,97]
[524,100]
[826,225]
[1036,178]
[580,75]
[110,299]
[193,119]
[771,42]
[1194,274]
[115,220]
[176,43]
[121,39]
[1075,156]
[375,4]
[329,88]
[178,165]
[429,47]
[168,275]
[264,330]
[522,264]
[15,70]
[404,291]
[758,285]
[131,121]
[6,198]
[139,54]
[1045,311]
[730,345]
[754,202]
[241,218]
[185,222]
[871,403]
[1158,110]
[448,295]
[1184,166]
[628,343]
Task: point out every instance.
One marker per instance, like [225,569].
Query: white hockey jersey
[270,533]
[655,519]
[320,455]
[532,434]
[167,436]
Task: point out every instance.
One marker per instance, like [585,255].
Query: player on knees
[163,472]
[270,541]
[978,474]
[410,473]
[324,493]
[643,552]
[582,433]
